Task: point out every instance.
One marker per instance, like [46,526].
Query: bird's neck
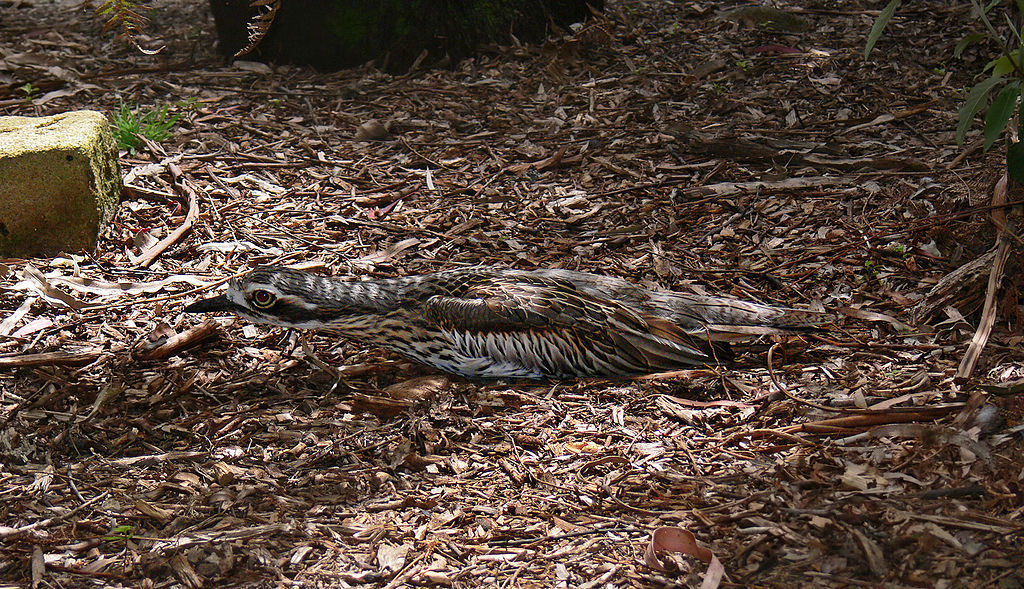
[375,295]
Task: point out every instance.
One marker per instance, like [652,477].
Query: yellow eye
[262,298]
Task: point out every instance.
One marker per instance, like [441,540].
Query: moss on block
[59,182]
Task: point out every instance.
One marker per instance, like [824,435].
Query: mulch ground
[663,144]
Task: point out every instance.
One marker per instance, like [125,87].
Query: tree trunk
[334,34]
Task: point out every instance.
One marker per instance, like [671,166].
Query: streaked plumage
[487,322]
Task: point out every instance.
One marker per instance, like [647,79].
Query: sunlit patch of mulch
[663,144]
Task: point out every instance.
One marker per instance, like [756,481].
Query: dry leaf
[682,541]
[371,130]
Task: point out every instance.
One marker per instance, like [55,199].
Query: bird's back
[500,322]
[689,311]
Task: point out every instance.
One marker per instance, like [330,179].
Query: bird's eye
[263,298]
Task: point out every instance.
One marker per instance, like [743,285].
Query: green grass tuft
[130,125]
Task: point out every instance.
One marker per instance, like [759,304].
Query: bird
[495,323]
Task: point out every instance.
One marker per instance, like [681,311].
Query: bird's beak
[219,303]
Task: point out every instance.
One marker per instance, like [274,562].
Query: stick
[49,359]
[995,277]
[190,219]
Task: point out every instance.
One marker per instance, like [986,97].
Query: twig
[406,573]
[49,359]
[781,433]
[190,218]
[868,419]
[77,571]
[857,417]
[177,342]
[10,532]
[539,539]
[608,490]
[512,579]
[315,360]
[988,314]
[782,389]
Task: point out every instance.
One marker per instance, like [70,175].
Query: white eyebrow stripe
[297,301]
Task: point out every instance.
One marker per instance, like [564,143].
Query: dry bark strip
[827,426]
[995,277]
[730,188]
[190,219]
[177,342]
[49,359]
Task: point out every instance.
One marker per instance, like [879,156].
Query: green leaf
[967,42]
[992,64]
[1013,387]
[880,23]
[1003,65]
[999,112]
[1015,162]
[975,100]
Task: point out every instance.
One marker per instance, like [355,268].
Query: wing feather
[566,329]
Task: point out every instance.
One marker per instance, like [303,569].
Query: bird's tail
[726,314]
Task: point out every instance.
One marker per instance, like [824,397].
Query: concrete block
[59,182]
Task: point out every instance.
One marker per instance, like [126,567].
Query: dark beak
[221,303]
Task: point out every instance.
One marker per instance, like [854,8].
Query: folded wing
[554,328]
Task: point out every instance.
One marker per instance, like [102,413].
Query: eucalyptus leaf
[967,42]
[999,64]
[880,23]
[1015,162]
[1013,29]
[975,100]
[1005,64]
[999,112]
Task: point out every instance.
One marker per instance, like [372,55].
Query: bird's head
[278,296]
